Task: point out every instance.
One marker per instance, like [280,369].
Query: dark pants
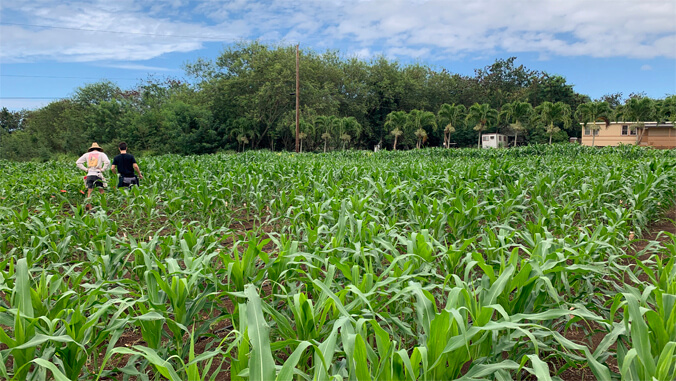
[127,182]
[94,182]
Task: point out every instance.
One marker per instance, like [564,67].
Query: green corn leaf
[498,286]
[628,371]
[540,368]
[56,373]
[412,375]
[3,370]
[40,339]
[286,373]
[324,354]
[337,303]
[192,372]
[261,363]
[359,358]
[164,367]
[22,289]
[639,334]
[478,372]
[666,365]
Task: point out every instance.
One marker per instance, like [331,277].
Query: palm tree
[516,114]
[421,137]
[347,128]
[450,116]
[620,113]
[639,110]
[483,116]
[592,112]
[326,124]
[242,132]
[396,120]
[549,113]
[306,129]
[418,120]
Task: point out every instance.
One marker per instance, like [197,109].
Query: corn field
[421,265]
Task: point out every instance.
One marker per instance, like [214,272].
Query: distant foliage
[244,100]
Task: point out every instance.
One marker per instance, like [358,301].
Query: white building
[494,140]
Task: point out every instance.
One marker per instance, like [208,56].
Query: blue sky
[49,48]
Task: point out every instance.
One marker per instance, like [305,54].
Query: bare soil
[245,222]
[593,337]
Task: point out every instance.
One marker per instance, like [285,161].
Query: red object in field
[63,191]
[81,191]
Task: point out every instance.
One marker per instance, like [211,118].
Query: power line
[120,32]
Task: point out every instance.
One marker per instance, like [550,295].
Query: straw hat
[95,147]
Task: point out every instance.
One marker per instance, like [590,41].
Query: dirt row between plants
[577,334]
[654,233]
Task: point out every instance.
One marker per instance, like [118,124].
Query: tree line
[245,99]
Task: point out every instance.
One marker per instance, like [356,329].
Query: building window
[485,138]
[492,137]
[587,131]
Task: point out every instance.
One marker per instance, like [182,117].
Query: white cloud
[24,104]
[646,67]
[407,52]
[363,54]
[138,67]
[550,28]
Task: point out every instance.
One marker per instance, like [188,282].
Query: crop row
[437,264]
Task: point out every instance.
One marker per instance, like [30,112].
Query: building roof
[646,124]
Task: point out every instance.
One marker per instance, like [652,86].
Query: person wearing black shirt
[125,164]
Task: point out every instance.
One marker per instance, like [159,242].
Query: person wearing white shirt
[94,162]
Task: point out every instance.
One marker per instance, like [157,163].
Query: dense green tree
[386,92]
[190,128]
[503,80]
[11,121]
[14,141]
[614,100]
[96,93]
[258,81]
[245,98]
[666,110]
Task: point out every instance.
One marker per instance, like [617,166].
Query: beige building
[658,135]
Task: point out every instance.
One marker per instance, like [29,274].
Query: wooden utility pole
[297,99]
